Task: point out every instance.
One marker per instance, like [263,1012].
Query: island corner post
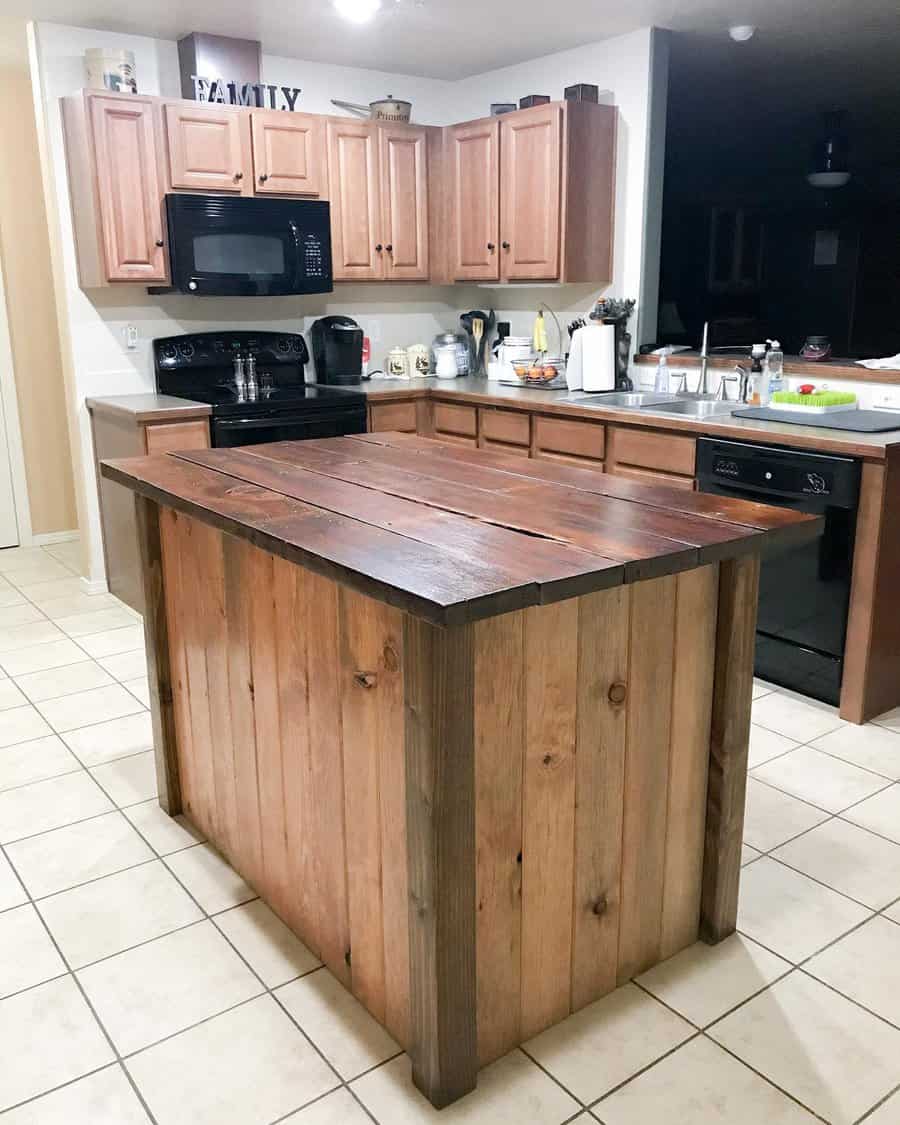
[479,824]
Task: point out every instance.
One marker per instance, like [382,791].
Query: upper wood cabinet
[288,153]
[357,248]
[530,212]
[473,158]
[209,148]
[378,187]
[402,154]
[531,195]
[116,187]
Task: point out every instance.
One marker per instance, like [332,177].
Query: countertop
[481,391]
[793,365]
[149,407]
[454,535]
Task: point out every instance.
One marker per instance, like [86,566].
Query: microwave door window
[247,255]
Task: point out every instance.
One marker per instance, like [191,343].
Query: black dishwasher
[804,593]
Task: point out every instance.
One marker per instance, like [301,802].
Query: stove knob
[284,345]
[187,350]
[169,351]
[298,345]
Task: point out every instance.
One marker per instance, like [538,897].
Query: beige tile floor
[142,981]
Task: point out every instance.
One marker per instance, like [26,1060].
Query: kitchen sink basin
[629,400]
[694,407]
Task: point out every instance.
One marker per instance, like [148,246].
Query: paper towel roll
[598,357]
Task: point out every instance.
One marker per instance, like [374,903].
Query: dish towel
[889,363]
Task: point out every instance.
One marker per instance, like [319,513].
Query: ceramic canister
[396,364]
[417,360]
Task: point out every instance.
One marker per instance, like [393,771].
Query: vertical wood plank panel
[695,649]
[210,594]
[551,671]
[440,798]
[169,531]
[372,715]
[191,543]
[326,807]
[291,635]
[499,755]
[650,671]
[238,599]
[729,746]
[603,634]
[267,728]
[159,660]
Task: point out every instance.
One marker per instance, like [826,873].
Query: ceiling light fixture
[357,11]
[741,32]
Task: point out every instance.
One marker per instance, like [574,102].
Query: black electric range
[281,407]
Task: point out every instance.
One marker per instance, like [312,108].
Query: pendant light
[829,166]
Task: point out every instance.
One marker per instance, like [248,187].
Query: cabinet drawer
[398,416]
[169,437]
[652,449]
[456,439]
[570,436]
[452,418]
[510,426]
[653,476]
[568,459]
[505,447]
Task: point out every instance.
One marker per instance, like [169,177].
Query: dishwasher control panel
[772,474]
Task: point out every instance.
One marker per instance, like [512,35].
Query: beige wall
[31,310]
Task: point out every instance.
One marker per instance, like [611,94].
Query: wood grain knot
[600,906]
[367,680]
[548,759]
[617,693]
[391,658]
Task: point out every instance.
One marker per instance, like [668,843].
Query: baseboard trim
[49,538]
[94,586]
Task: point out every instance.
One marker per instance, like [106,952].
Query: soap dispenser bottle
[661,384]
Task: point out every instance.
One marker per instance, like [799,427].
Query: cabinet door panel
[530,148]
[474,185]
[288,153]
[129,189]
[404,202]
[354,194]
[208,148]
[168,437]
[398,416]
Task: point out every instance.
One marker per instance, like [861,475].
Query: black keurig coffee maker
[337,346]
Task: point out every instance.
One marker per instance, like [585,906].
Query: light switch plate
[131,337]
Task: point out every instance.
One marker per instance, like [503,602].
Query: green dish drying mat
[855,421]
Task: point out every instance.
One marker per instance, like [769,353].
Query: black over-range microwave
[248,247]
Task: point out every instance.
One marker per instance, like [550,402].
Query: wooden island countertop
[476,727]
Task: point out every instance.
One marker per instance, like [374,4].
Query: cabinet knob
[263,177]
[389,248]
[490,246]
[505,245]
[239,175]
[378,247]
[160,243]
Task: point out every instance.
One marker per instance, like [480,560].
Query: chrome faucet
[702,382]
[744,379]
[722,392]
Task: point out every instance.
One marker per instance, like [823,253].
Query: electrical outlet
[131,337]
[887,399]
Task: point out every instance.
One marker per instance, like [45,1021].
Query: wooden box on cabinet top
[530,195]
[116,185]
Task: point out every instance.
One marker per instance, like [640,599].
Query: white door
[9,529]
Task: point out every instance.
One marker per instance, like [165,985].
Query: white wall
[391,315]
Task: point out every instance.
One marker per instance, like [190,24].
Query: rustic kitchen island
[476,727]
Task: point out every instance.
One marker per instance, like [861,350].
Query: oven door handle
[266,421]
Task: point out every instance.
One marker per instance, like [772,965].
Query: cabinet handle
[378,248]
[239,175]
[263,177]
[505,245]
[160,243]
[491,246]
[389,248]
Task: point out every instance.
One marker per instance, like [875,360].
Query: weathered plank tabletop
[453,534]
